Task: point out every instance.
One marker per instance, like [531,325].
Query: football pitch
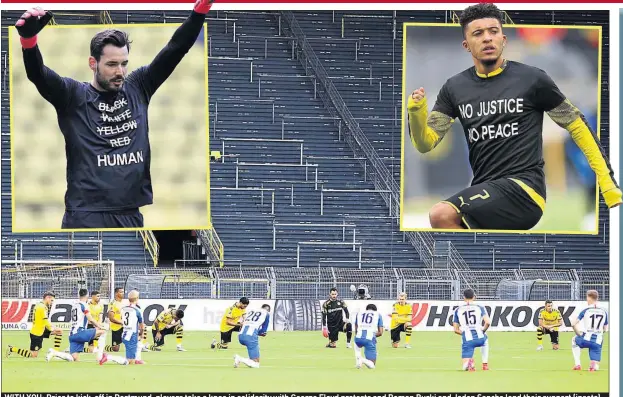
[299,362]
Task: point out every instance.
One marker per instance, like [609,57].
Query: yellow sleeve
[426,131]
[161,316]
[567,116]
[42,318]
[394,312]
[541,314]
[230,313]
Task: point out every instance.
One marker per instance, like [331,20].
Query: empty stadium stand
[290,190]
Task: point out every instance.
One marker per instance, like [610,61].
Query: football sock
[539,336]
[484,350]
[357,351]
[21,352]
[57,342]
[577,352]
[409,330]
[179,334]
[139,349]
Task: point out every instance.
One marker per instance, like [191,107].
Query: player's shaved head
[82,293]
[469,294]
[371,306]
[266,307]
[479,11]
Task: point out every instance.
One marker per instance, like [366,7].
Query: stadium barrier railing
[151,245]
[380,174]
[29,279]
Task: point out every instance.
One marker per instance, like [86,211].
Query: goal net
[536,290]
[30,279]
[514,290]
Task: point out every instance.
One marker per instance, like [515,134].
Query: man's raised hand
[32,22]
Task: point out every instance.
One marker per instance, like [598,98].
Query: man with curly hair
[500,104]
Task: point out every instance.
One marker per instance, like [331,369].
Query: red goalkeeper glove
[325,332]
[30,24]
[203,6]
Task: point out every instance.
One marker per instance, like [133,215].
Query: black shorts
[497,205]
[226,336]
[395,333]
[102,220]
[334,330]
[117,337]
[163,333]
[553,335]
[36,342]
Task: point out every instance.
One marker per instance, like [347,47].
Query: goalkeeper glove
[203,6]
[30,24]
[325,332]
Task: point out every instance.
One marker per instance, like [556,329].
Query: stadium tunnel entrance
[171,244]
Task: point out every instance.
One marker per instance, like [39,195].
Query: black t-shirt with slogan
[502,117]
[106,133]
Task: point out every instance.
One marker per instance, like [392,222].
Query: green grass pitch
[299,362]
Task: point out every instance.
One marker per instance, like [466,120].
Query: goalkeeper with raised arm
[105,122]
[501,104]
